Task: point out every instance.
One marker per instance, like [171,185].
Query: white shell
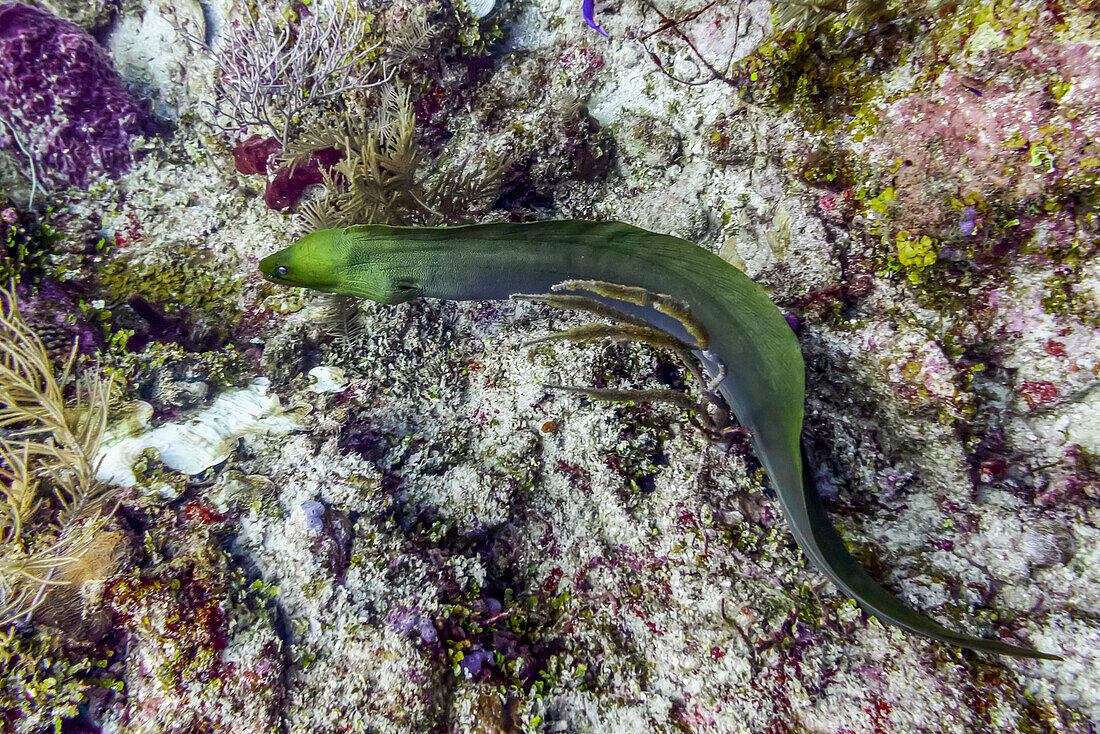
[326,379]
[196,445]
[480,8]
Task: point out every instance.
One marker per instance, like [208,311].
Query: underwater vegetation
[271,69]
[28,242]
[54,529]
[810,15]
[376,178]
[47,678]
[308,81]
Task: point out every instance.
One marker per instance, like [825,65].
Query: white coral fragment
[480,8]
[193,446]
[324,379]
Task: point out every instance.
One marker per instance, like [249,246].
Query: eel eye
[281,270]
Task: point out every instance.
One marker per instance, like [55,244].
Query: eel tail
[823,543]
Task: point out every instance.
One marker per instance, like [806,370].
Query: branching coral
[810,14]
[377,179]
[51,505]
[270,70]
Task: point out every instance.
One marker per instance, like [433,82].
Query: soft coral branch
[46,442]
[270,72]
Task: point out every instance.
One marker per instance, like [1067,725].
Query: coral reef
[441,543]
[63,99]
[199,634]
[47,679]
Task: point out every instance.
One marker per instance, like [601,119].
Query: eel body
[764,376]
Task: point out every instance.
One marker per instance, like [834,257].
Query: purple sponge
[64,99]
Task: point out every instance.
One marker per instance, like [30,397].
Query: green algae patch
[1067,294]
[184,282]
[916,253]
[220,369]
[27,241]
[828,79]
[45,679]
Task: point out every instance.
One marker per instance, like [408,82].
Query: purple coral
[403,621]
[54,314]
[63,99]
[314,513]
[474,661]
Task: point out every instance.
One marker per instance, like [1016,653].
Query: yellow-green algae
[838,80]
[181,282]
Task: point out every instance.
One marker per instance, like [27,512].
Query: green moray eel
[764,377]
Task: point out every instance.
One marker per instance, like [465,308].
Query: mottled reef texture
[443,545]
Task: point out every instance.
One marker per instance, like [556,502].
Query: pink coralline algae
[582,62]
[63,99]
[1021,131]
[1039,392]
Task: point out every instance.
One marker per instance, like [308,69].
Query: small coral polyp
[63,99]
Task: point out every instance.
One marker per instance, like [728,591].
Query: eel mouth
[272,270]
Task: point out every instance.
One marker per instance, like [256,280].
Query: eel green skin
[764,381]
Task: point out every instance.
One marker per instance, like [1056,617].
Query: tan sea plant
[52,507]
[383,177]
